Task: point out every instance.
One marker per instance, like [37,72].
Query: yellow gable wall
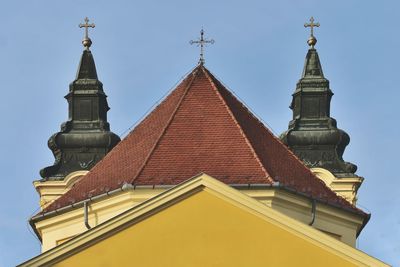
[205,230]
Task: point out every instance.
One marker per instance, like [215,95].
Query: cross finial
[312,40]
[86,40]
[202,43]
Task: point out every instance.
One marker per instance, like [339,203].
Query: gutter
[85,214]
[125,187]
[313,207]
[83,203]
[277,185]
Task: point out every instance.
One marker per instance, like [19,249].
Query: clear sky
[141,49]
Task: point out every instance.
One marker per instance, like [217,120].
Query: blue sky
[141,49]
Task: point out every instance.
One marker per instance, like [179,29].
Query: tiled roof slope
[199,127]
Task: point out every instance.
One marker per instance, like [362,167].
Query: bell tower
[313,134]
[85,138]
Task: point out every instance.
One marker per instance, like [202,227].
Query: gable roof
[219,193]
[200,127]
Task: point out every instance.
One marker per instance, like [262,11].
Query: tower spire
[202,43]
[313,135]
[85,138]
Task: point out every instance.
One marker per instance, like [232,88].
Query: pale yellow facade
[51,190]
[203,222]
[345,187]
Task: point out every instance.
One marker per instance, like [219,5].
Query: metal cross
[86,26]
[202,43]
[311,25]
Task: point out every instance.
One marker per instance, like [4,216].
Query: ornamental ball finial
[312,41]
[87,42]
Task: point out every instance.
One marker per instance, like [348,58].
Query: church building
[200,181]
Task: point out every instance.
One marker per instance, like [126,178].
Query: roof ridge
[268,176]
[194,73]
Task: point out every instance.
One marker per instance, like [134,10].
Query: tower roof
[200,127]
[86,68]
[312,66]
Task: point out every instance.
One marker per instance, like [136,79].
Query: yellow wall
[58,229]
[205,230]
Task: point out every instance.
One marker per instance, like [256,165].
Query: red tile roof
[200,127]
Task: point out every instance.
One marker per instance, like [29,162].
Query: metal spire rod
[202,43]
